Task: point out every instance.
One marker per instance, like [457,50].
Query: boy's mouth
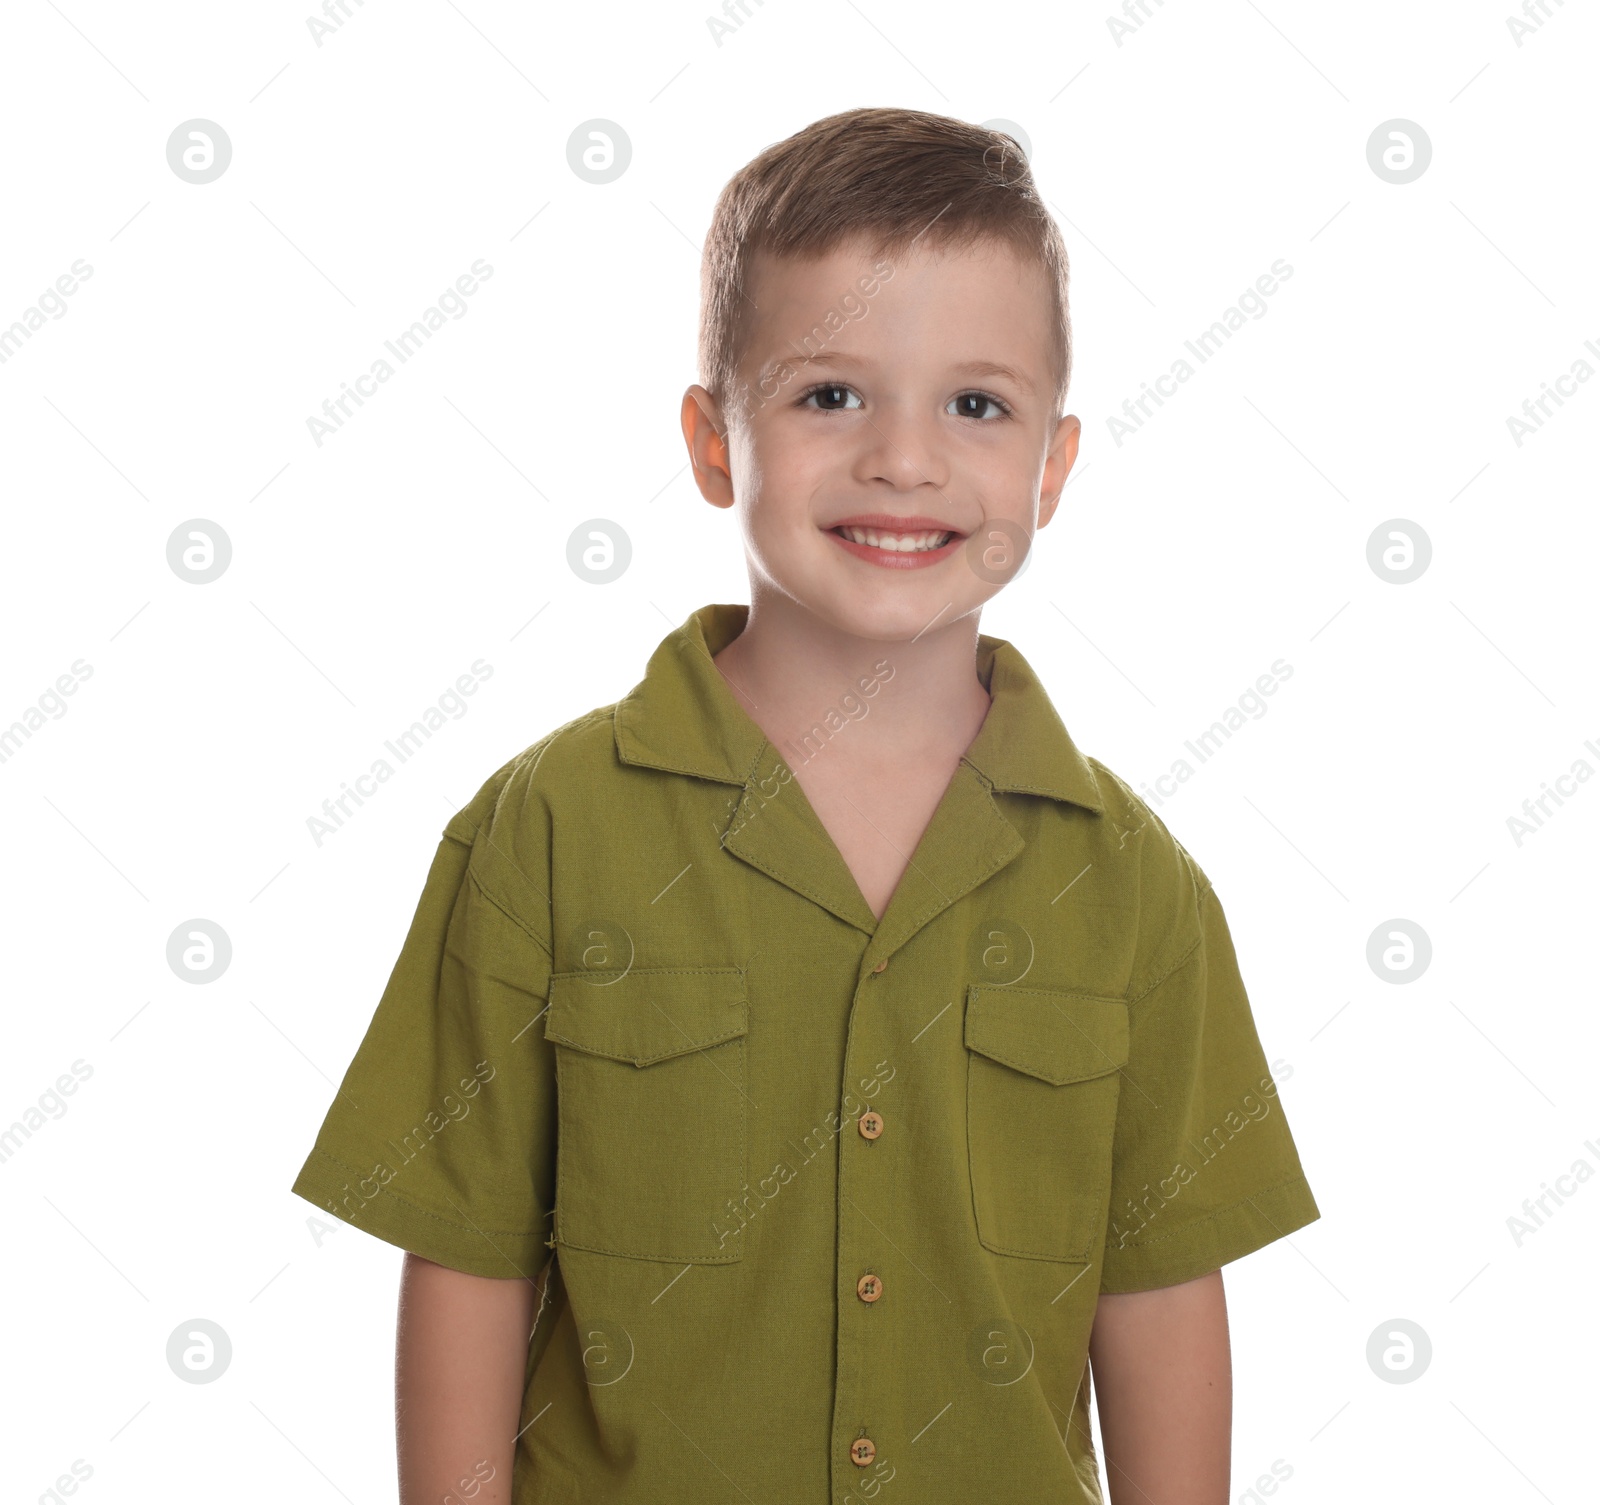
[896,542]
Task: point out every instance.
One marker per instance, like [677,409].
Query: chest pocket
[1042,1086]
[650,1086]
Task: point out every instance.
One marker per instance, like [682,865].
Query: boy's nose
[903,449]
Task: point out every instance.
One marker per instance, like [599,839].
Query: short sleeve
[1205,1169]
[441,1138]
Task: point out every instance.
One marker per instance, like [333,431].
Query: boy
[837,1058]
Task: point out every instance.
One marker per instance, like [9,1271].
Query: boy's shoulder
[1160,877]
[508,825]
[576,750]
[1129,818]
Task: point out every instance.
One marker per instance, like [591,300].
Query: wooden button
[863,1450]
[869,1288]
[871,1124]
[881,965]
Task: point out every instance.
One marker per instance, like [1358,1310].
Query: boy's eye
[835,397]
[831,397]
[964,404]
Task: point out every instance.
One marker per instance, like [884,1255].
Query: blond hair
[892,176]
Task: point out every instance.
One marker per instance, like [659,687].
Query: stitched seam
[641,1061]
[505,909]
[1054,794]
[696,773]
[732,1032]
[1062,1259]
[973,1161]
[1210,1216]
[515,765]
[416,1206]
[722,842]
[1034,1071]
[1181,961]
[940,905]
[810,893]
[653,972]
[755,762]
[1136,805]
[1005,987]
[562,1179]
[670,1259]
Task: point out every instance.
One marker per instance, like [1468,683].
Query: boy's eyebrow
[841,358]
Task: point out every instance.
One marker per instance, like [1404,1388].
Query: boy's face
[925,410]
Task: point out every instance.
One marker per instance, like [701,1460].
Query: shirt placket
[863,1298]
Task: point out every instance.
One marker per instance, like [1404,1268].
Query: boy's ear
[705,432]
[1058,463]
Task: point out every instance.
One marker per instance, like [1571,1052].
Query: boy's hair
[893,176]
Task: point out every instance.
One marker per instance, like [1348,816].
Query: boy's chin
[897,611]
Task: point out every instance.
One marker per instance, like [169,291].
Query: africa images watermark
[1209,742]
[734,15]
[1209,342]
[1536,410]
[1536,809]
[51,302]
[336,410]
[49,1105]
[1536,1212]
[411,1145]
[337,809]
[849,308]
[1169,1187]
[1135,13]
[337,13]
[741,1210]
[851,708]
[1536,12]
[51,703]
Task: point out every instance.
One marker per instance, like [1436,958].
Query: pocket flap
[1054,1035]
[647,1015]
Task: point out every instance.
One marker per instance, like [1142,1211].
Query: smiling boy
[841,1114]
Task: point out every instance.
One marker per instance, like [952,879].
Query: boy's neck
[791,672]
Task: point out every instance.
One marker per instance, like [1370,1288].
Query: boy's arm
[1164,1380]
[461,1350]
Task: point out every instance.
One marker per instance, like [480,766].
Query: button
[863,1450]
[870,1123]
[869,1288]
[881,965]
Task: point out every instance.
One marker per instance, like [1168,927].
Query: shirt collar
[683,718]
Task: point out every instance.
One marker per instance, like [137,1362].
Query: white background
[430,531]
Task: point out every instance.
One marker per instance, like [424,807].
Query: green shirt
[831,1198]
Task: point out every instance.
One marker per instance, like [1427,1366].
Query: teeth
[896,543]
